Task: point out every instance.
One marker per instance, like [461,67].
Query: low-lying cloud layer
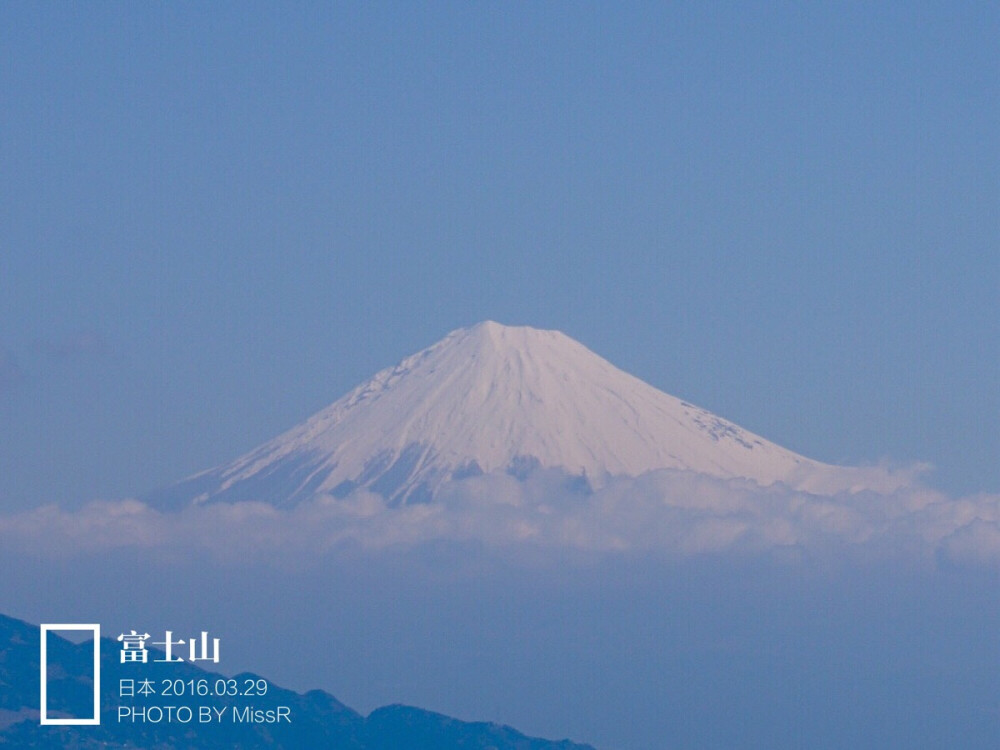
[669,513]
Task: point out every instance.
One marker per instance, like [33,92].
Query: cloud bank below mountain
[674,514]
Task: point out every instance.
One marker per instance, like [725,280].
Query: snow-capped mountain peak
[495,398]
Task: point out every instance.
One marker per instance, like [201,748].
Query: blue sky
[216,220]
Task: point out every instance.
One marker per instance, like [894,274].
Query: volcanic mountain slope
[493,398]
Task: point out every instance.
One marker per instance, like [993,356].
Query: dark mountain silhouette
[318,720]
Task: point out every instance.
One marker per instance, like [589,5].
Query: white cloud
[671,513]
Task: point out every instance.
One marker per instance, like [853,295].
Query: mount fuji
[494,398]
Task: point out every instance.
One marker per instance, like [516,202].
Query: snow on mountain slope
[496,398]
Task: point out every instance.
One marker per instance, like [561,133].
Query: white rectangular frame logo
[44,660]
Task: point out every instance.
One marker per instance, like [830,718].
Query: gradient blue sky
[216,219]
